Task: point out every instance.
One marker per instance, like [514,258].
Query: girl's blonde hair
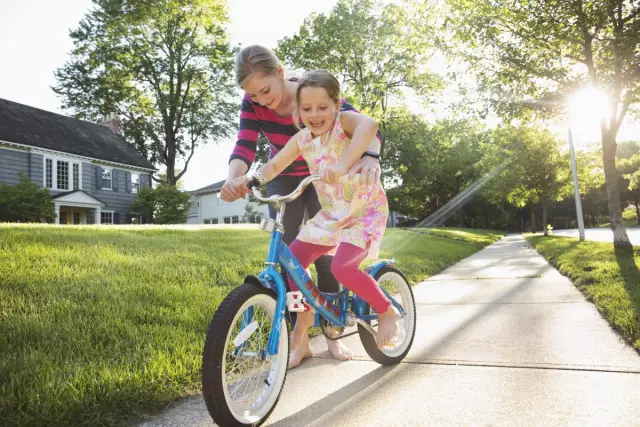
[317,78]
[255,59]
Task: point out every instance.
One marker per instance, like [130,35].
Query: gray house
[92,173]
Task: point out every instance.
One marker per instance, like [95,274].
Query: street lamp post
[576,187]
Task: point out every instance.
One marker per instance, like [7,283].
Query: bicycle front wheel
[239,387]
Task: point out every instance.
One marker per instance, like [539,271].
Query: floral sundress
[351,213]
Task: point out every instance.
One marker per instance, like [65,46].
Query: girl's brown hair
[317,78]
[255,59]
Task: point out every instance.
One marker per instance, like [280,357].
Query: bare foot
[300,352]
[339,351]
[387,326]
[300,346]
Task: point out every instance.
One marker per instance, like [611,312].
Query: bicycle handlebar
[277,199]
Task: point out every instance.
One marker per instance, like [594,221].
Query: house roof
[66,193]
[213,188]
[83,193]
[27,125]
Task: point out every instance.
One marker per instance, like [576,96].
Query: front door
[73,215]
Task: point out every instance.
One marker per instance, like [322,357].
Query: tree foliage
[377,51]
[25,202]
[530,55]
[165,204]
[163,66]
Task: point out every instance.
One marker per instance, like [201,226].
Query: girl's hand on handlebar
[235,189]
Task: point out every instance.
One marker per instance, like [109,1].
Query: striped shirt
[254,118]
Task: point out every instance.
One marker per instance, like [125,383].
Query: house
[208,208]
[92,173]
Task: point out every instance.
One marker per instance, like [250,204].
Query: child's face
[317,110]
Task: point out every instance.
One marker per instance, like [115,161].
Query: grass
[103,326]
[608,277]
[482,237]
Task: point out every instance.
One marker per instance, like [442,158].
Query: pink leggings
[345,268]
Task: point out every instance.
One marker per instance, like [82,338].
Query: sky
[34,42]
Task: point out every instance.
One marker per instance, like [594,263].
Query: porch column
[98,215]
[57,208]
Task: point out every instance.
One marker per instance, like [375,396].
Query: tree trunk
[620,237]
[637,211]
[544,219]
[521,223]
[534,227]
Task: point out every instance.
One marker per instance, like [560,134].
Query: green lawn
[483,237]
[608,277]
[101,326]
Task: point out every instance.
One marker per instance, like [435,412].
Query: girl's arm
[280,161]
[362,131]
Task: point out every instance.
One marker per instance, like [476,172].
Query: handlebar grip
[253,183]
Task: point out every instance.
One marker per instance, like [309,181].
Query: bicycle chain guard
[330,331]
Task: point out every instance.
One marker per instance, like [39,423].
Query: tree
[25,202]
[628,162]
[429,164]
[250,213]
[164,66]
[535,171]
[377,51]
[165,204]
[529,55]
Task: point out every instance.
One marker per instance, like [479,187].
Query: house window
[214,220]
[227,220]
[106,179]
[106,217]
[76,176]
[235,219]
[63,218]
[135,182]
[49,173]
[207,221]
[76,217]
[62,175]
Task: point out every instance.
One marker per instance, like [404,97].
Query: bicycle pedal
[296,302]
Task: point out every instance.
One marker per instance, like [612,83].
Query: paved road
[502,339]
[600,234]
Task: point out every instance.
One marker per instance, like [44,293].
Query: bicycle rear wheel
[240,388]
[395,284]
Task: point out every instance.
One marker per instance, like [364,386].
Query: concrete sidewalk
[502,339]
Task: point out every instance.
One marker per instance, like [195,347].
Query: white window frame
[106,212]
[102,187]
[135,183]
[54,172]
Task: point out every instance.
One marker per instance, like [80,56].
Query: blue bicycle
[246,352]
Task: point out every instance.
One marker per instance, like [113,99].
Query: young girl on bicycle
[353,216]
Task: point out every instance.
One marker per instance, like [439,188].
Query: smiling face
[266,90]
[316,109]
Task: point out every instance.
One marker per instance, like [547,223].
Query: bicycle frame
[323,304]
